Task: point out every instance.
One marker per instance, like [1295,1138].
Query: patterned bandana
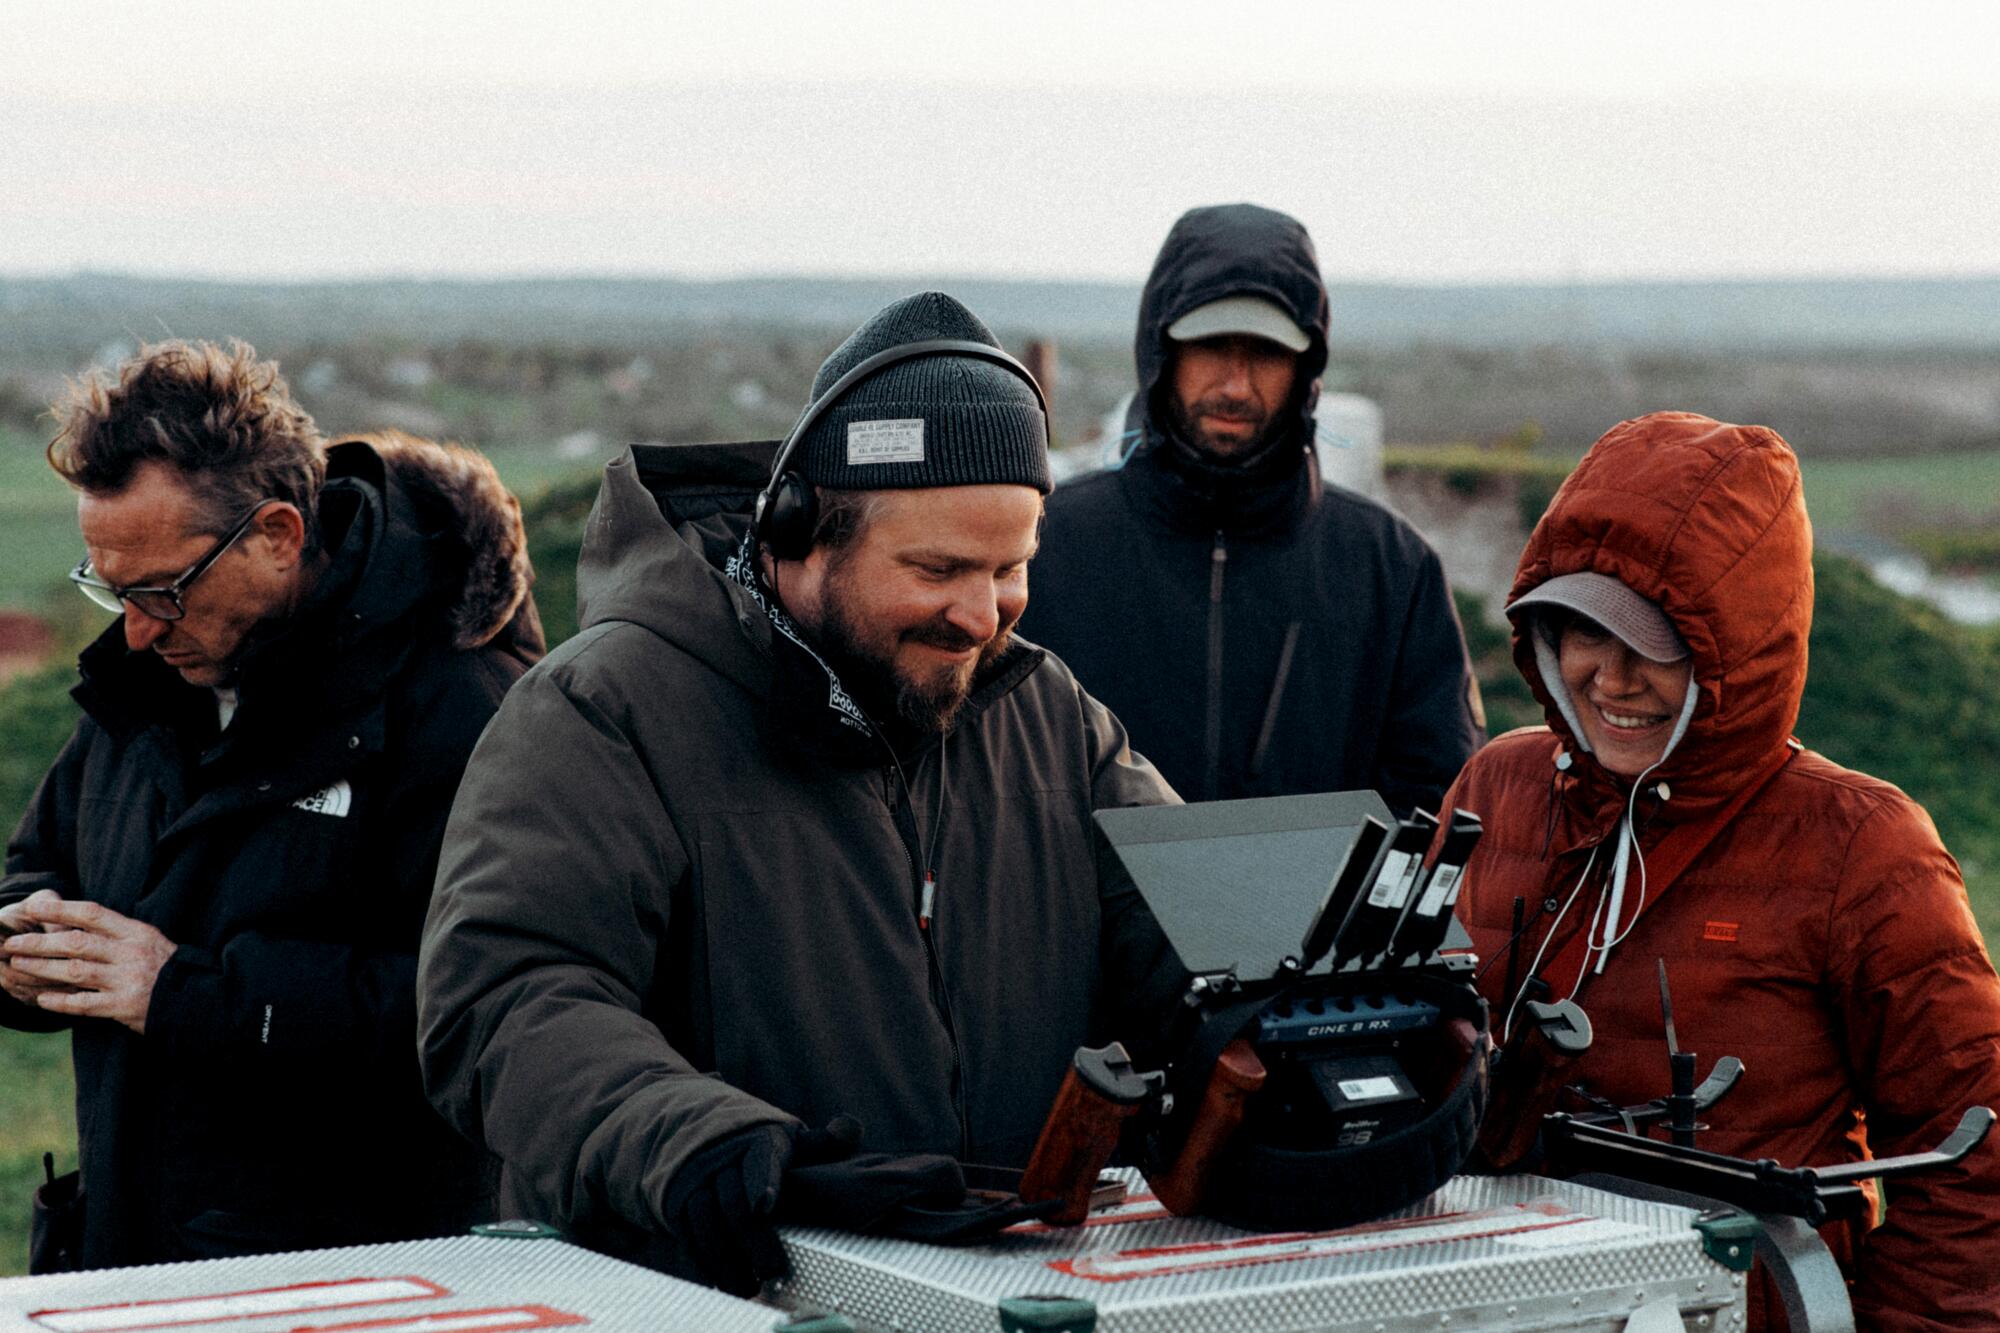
[741,569]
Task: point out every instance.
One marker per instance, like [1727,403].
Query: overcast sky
[1419,142]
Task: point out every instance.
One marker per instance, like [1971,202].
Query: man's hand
[14,920]
[720,1205]
[81,959]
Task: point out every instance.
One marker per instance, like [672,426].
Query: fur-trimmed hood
[474,525]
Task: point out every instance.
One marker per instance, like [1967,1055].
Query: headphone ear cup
[791,517]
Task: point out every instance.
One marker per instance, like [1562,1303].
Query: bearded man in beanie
[793,829]
[1261,632]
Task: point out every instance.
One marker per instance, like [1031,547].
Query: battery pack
[1368,1096]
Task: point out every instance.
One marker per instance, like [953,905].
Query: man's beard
[864,658]
[1188,425]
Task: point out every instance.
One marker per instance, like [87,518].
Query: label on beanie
[885,441]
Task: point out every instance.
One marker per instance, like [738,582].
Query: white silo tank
[1349,442]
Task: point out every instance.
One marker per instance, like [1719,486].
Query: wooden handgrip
[1076,1143]
[1238,1075]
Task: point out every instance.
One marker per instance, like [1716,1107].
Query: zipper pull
[1218,557]
[928,901]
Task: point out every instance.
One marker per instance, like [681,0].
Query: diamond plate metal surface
[1488,1252]
[518,1284]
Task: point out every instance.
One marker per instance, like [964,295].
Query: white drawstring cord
[1507,1025]
[1628,850]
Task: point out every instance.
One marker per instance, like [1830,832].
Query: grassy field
[1854,493]
[35,1118]
[38,542]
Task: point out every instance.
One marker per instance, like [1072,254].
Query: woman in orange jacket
[1810,919]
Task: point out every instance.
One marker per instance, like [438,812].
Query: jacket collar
[1269,493]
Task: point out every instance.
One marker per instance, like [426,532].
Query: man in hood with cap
[793,830]
[1260,632]
[1809,919]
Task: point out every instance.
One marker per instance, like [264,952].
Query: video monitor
[1236,884]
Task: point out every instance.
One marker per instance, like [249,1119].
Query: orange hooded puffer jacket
[1820,931]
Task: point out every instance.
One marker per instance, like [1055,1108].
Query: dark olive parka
[274,1102]
[679,895]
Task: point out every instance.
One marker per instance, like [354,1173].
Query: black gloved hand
[816,1147]
[719,1206]
[920,1196]
[858,1192]
[722,1203]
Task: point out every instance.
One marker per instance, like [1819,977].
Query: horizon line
[382,278]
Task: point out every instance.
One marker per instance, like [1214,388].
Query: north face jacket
[679,894]
[1820,933]
[1260,633]
[274,1101]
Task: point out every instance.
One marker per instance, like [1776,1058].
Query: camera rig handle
[1969,1134]
[1557,1036]
[1728,1070]
[1238,1075]
[1098,1094]
[1816,1194]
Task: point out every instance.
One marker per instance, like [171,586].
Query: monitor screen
[1236,884]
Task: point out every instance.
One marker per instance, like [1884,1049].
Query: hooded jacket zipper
[1218,559]
[1269,731]
[940,997]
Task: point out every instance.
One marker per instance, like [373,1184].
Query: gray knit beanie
[932,421]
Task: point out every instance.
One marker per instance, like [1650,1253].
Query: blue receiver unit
[1342,1018]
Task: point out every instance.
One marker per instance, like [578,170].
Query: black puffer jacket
[1260,633]
[672,856]
[274,1101]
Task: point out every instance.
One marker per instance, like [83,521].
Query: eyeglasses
[161,603]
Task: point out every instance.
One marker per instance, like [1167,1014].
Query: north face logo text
[335,800]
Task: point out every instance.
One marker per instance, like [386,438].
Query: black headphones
[787,509]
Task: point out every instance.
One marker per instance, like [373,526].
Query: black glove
[922,1196]
[722,1203]
[719,1206]
[860,1191]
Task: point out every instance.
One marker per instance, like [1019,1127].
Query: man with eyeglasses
[218,888]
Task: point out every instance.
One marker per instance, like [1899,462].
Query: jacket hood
[1706,520]
[1211,253]
[1232,250]
[475,548]
[667,523]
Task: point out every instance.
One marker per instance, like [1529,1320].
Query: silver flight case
[465,1284]
[1517,1252]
